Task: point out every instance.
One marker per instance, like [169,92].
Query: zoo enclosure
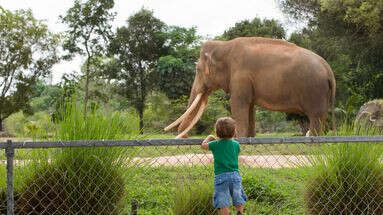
[256,153]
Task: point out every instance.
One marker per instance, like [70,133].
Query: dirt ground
[264,161]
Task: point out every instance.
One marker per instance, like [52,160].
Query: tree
[137,48]
[88,34]
[175,71]
[255,28]
[27,52]
[43,97]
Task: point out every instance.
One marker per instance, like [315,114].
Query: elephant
[271,73]
[370,115]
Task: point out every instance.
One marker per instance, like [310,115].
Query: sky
[211,18]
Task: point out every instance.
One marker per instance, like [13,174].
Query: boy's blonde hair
[225,127]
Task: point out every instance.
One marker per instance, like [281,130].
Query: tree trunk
[141,116]
[86,88]
[1,124]
[143,97]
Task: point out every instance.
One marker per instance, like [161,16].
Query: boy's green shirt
[225,152]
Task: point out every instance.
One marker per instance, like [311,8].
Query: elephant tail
[332,84]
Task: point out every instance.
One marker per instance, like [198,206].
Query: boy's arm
[205,142]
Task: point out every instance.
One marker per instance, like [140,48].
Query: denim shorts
[226,185]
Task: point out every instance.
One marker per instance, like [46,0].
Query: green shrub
[97,125]
[14,124]
[346,179]
[38,125]
[194,198]
[79,180]
[263,189]
[156,115]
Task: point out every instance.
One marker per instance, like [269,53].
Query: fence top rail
[175,142]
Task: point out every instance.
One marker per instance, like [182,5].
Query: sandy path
[264,161]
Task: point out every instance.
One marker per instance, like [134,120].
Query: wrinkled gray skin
[274,74]
[371,115]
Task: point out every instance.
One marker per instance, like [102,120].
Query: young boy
[227,180]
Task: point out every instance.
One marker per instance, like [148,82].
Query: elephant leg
[317,123]
[314,126]
[304,124]
[240,111]
[251,132]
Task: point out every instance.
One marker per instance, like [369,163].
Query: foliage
[262,189]
[44,96]
[38,125]
[137,48]
[175,71]
[27,52]
[274,191]
[366,14]
[14,124]
[194,198]
[347,178]
[99,125]
[255,28]
[214,110]
[175,76]
[80,180]
[270,121]
[68,88]
[77,182]
[157,112]
[89,31]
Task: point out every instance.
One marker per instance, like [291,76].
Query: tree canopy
[88,34]
[27,53]
[137,47]
[255,28]
[175,70]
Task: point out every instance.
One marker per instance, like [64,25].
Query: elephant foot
[308,133]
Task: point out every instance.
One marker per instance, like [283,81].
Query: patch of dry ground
[264,161]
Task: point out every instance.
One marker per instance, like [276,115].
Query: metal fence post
[10,152]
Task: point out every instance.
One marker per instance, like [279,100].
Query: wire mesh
[286,178]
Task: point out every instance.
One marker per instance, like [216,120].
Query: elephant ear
[209,62]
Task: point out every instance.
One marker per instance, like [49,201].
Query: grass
[346,178]
[155,188]
[194,198]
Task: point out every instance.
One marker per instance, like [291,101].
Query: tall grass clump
[80,180]
[346,179]
[196,198]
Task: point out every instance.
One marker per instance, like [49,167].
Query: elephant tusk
[195,120]
[187,112]
[362,113]
[372,120]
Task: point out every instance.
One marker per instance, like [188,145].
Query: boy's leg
[239,209]
[224,211]
[238,194]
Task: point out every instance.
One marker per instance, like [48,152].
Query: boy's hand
[205,142]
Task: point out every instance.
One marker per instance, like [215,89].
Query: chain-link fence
[301,175]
